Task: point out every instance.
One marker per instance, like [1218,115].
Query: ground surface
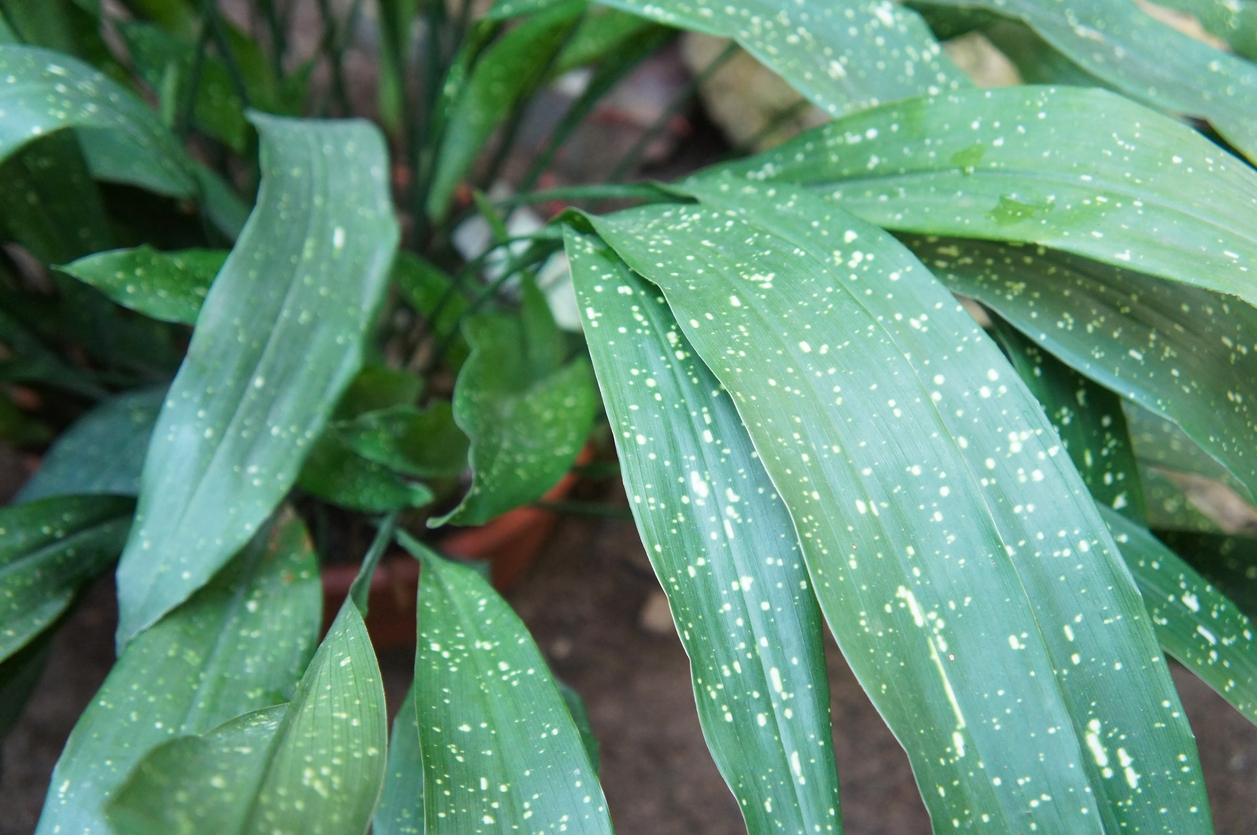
[583,601]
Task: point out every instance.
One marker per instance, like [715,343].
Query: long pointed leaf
[238,645]
[1182,352]
[278,338]
[723,547]
[401,803]
[933,506]
[500,750]
[312,767]
[1080,170]
[170,286]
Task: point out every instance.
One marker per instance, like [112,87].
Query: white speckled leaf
[278,338]
[238,645]
[526,414]
[500,751]
[1195,622]
[1087,417]
[953,548]
[312,767]
[723,546]
[1080,170]
[48,550]
[843,55]
[46,91]
[401,802]
[102,452]
[1185,353]
[169,286]
[1146,59]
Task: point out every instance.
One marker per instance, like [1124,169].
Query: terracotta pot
[510,543]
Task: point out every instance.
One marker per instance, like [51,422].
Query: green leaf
[401,804]
[580,717]
[238,645]
[722,544]
[336,473]
[1228,562]
[278,338]
[527,416]
[48,202]
[1087,417]
[19,675]
[218,108]
[1146,60]
[52,91]
[503,73]
[1234,21]
[1080,170]
[431,292]
[314,766]
[498,745]
[1187,354]
[424,443]
[169,286]
[377,387]
[102,452]
[922,478]
[1195,622]
[843,56]
[48,550]
[600,33]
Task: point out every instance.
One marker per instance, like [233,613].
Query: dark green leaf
[922,477]
[1228,562]
[314,766]
[1087,417]
[19,675]
[279,337]
[598,34]
[52,91]
[401,804]
[1195,622]
[169,286]
[48,202]
[526,415]
[1182,352]
[1079,170]
[843,56]
[1145,59]
[48,550]
[430,291]
[580,717]
[103,452]
[377,387]
[505,71]
[424,443]
[721,541]
[238,645]
[499,747]
[336,473]
[219,110]
[220,204]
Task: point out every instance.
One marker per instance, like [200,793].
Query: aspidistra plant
[811,427]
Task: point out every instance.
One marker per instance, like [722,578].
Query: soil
[583,602]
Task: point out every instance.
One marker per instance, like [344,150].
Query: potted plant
[255,335]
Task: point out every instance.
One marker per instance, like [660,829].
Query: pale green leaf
[170,286]
[499,746]
[48,550]
[943,527]
[723,547]
[843,55]
[236,646]
[1080,170]
[278,338]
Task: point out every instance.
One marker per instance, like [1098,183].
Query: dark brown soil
[583,601]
